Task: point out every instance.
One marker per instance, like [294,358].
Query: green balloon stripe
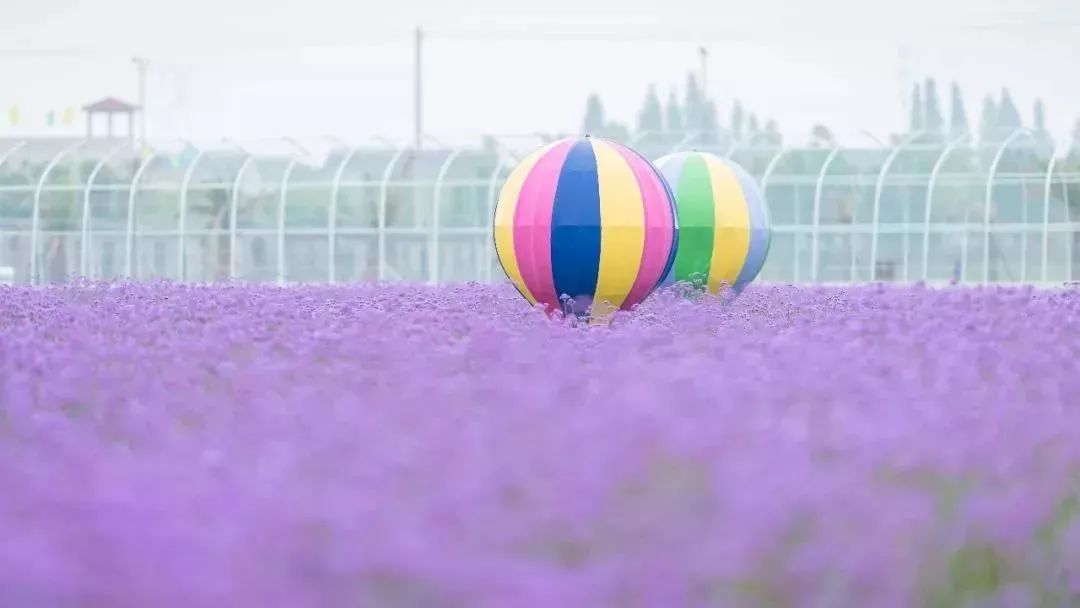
[697,221]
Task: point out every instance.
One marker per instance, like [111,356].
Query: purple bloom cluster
[404,446]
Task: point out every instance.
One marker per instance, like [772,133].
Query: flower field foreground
[167,445]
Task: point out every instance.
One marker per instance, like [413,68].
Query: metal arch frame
[129,245]
[181,228]
[879,189]
[84,245]
[771,167]
[490,249]
[733,145]
[1018,133]
[331,221]
[538,140]
[297,145]
[35,218]
[436,205]
[11,152]
[438,143]
[234,203]
[341,143]
[384,193]
[637,137]
[235,144]
[744,143]
[931,184]
[1071,242]
[640,136]
[685,141]
[815,227]
[282,198]
[876,139]
[386,141]
[189,173]
[1047,189]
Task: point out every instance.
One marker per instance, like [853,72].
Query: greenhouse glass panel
[953,198]
[257,197]
[106,200]
[790,190]
[57,243]
[356,251]
[900,206]
[306,200]
[21,170]
[465,211]
[1016,201]
[846,214]
[156,194]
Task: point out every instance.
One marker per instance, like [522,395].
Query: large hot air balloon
[724,233]
[585,225]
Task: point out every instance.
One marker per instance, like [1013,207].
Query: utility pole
[141,64]
[418,93]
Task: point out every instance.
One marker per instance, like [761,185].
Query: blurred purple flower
[396,445]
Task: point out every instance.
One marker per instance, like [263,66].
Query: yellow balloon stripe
[622,234]
[732,241]
[504,219]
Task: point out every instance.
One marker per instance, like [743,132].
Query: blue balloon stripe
[759,227]
[575,227]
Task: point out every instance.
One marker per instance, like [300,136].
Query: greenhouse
[925,207]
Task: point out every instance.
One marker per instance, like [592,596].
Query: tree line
[999,116]
[695,116]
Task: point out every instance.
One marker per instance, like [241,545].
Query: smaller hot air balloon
[724,230]
[585,225]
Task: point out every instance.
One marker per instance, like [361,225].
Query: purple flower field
[405,446]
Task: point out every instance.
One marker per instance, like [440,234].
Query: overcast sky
[256,69]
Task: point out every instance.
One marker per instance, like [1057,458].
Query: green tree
[651,116]
[709,122]
[821,136]
[738,119]
[1008,117]
[932,120]
[617,131]
[958,121]
[988,123]
[594,115]
[772,133]
[694,106]
[674,122]
[918,121]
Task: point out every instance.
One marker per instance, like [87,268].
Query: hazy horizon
[242,69]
